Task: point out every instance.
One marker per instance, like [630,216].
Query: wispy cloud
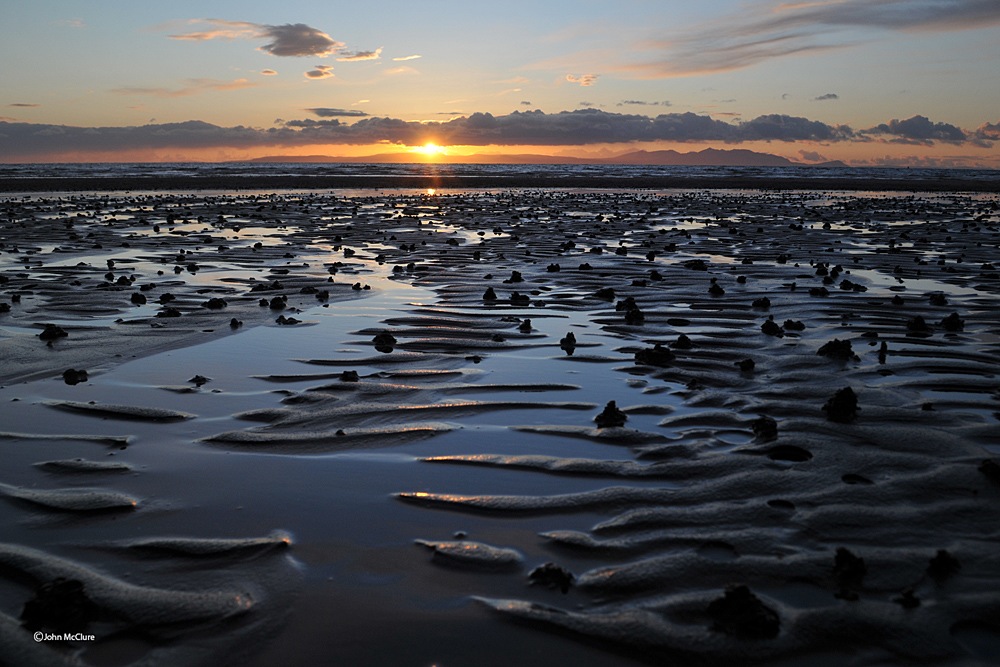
[583,79]
[320,72]
[191,87]
[756,35]
[643,103]
[827,96]
[287,40]
[403,58]
[361,55]
[402,69]
[327,112]
[23,105]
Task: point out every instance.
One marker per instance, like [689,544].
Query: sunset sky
[869,82]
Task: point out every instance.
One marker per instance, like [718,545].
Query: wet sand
[594,426]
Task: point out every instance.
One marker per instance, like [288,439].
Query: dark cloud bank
[28,141]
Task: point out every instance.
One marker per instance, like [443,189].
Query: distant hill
[710,157]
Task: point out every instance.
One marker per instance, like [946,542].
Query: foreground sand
[234,492]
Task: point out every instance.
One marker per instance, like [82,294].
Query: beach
[453,420]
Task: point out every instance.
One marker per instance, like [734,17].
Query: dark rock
[73,377]
[655,356]
[883,350]
[942,566]
[837,349]
[818,291]
[917,324]
[235,323]
[489,294]
[515,277]
[849,572]
[746,365]
[762,302]
[349,376]
[991,469]
[908,600]
[605,293]
[138,298]
[169,312]
[525,326]
[792,453]
[199,380]
[897,300]
[793,325]
[938,299]
[60,605]
[568,343]
[384,341]
[215,303]
[278,303]
[553,268]
[764,428]
[552,576]
[696,265]
[286,321]
[166,298]
[842,407]
[716,290]
[518,299]
[953,323]
[610,417]
[771,328]
[741,614]
[682,343]
[52,332]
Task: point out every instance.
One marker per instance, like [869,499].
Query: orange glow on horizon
[430,149]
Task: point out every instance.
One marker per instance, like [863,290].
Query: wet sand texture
[713,427]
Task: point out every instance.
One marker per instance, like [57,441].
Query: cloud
[525,103]
[918,130]
[268,72]
[779,29]
[812,156]
[402,58]
[986,134]
[583,79]
[28,141]
[320,72]
[403,69]
[192,87]
[23,105]
[326,112]
[827,96]
[288,40]
[362,55]
[643,103]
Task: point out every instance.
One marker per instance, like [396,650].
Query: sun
[430,149]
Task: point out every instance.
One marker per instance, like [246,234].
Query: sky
[867,82]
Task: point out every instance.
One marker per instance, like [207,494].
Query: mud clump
[552,576]
[60,605]
[610,417]
[655,356]
[837,349]
[72,376]
[849,573]
[842,406]
[741,614]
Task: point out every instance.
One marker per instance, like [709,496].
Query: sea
[226,169]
